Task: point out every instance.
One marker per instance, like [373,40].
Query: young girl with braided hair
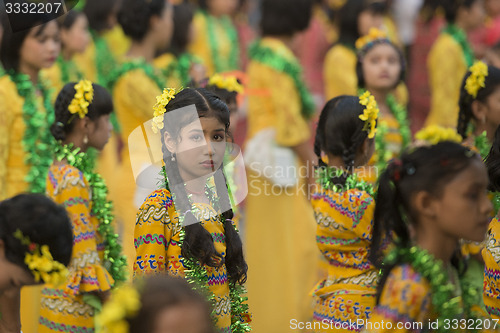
[380,68]
[427,201]
[479,114]
[82,123]
[343,209]
[185,228]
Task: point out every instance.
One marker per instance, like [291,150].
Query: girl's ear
[170,143]
[425,204]
[479,111]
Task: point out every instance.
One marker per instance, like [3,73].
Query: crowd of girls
[349,223]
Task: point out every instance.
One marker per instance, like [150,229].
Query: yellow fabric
[200,45]
[162,62]
[86,62]
[118,42]
[279,223]
[12,153]
[156,239]
[339,72]
[491,256]
[446,67]
[134,96]
[406,298]
[343,236]
[54,76]
[63,306]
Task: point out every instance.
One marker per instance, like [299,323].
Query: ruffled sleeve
[446,67]
[153,233]
[68,187]
[406,298]
[339,72]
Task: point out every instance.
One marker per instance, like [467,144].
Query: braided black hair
[340,131]
[493,163]
[465,115]
[198,242]
[101,105]
[417,170]
[134,16]
[39,219]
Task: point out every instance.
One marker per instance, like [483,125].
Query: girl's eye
[219,137]
[196,138]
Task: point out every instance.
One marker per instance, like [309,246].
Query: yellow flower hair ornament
[124,303]
[370,114]
[41,263]
[434,134]
[373,35]
[229,83]
[475,81]
[83,97]
[159,108]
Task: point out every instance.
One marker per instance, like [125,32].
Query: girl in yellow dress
[178,66]
[158,304]
[29,223]
[479,109]
[75,38]
[427,201]
[354,19]
[279,108]
[491,294]
[185,228]
[25,115]
[135,86]
[98,61]
[449,58]
[215,39]
[81,123]
[380,68]
[343,208]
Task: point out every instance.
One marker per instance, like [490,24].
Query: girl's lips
[208,164]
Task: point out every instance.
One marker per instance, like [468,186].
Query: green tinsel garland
[180,68]
[37,140]
[133,65]
[114,261]
[292,68]
[104,60]
[446,305]
[326,176]
[399,112]
[68,67]
[219,64]
[460,37]
[197,275]
[482,144]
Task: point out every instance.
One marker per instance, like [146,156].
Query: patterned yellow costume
[343,236]
[406,298]
[446,67]
[63,308]
[222,37]
[134,95]
[491,256]
[280,225]
[13,171]
[158,252]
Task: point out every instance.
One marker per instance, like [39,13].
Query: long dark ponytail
[198,242]
[428,169]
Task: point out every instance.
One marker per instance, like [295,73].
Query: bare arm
[10,304]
